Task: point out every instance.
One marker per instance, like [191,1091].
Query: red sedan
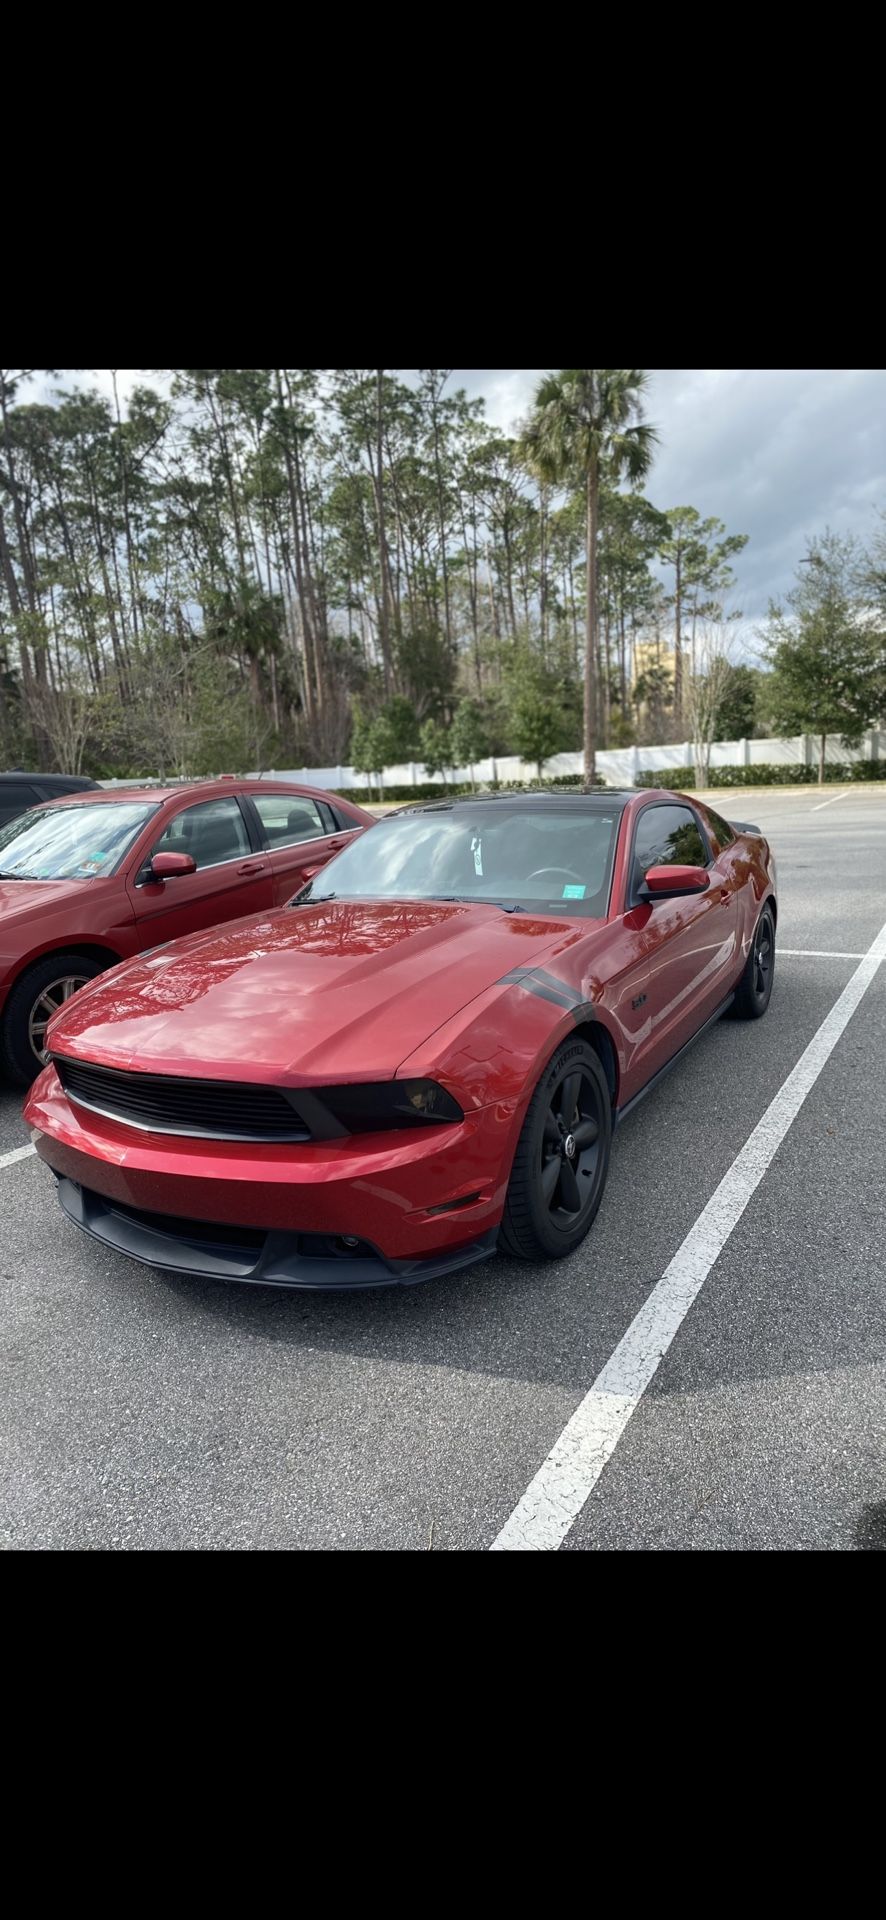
[89,880]
[422,1057]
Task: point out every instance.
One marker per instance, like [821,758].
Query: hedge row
[766,775]
[426,790]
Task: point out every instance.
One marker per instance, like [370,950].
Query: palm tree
[587,422]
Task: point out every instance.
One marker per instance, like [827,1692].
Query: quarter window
[667,837]
[723,833]
[211,833]
[287,818]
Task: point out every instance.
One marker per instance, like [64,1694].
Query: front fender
[495,1051]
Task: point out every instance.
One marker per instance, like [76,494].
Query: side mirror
[671,883]
[170,866]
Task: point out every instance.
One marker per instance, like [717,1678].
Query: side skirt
[622,1112]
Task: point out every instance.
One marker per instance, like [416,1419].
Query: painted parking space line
[18,1153]
[555,1497]
[827,803]
[815,953]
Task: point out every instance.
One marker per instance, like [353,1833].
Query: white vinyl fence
[618,766]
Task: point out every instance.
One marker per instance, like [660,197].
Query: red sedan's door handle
[726,896]
[252,866]
[335,845]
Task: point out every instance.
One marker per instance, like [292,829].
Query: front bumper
[310,1262]
[420,1204]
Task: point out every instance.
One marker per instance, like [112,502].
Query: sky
[779,454]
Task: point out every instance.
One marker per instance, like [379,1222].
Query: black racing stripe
[556,986]
[544,986]
[581,1009]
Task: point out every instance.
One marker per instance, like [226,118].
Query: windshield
[551,860]
[70,843]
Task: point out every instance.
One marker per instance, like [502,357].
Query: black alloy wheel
[562,1157]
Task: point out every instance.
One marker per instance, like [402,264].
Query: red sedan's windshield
[70,843]
[552,859]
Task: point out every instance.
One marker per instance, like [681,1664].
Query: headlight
[394,1103]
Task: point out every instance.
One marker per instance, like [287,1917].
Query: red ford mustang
[87,881]
[422,1057]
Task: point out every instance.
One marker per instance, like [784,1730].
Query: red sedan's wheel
[33,1001]
[562,1158]
[755,986]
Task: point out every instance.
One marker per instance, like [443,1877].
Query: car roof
[602,800]
[48,779]
[186,789]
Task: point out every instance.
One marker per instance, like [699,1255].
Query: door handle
[335,845]
[252,866]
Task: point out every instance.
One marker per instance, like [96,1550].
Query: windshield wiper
[19,876]
[477,900]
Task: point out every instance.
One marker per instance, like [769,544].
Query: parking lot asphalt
[144,1411]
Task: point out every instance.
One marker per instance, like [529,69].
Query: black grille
[160,1103]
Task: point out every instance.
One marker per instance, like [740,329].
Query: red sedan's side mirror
[169,866]
[663,883]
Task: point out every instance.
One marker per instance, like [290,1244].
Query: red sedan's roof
[202,789]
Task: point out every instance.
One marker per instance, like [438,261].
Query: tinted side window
[211,832]
[288,818]
[668,837]
[15,797]
[723,833]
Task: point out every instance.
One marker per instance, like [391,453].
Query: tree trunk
[821,755]
[678,650]
[590,705]
[384,624]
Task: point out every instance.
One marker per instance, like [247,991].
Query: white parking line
[18,1153]
[554,1499]
[814,953]
[828,803]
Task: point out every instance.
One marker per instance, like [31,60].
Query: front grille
[162,1103]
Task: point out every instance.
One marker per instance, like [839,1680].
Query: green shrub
[434,790]
[836,773]
[767,774]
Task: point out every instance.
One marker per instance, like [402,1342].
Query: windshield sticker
[574,893]
[477,851]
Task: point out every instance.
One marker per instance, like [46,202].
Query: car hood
[336,991]
[20,899]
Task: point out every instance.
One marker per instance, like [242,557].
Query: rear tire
[30,1005]
[562,1158]
[755,986]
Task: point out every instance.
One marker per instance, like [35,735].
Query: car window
[212,832]
[288,818]
[723,833]
[71,842]
[15,796]
[558,859]
[668,837]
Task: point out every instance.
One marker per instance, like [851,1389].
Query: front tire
[31,1004]
[562,1158]
[755,986]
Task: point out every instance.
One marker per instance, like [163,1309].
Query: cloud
[778,454]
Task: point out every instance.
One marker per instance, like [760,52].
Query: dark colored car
[90,880]
[421,1058]
[20,791]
